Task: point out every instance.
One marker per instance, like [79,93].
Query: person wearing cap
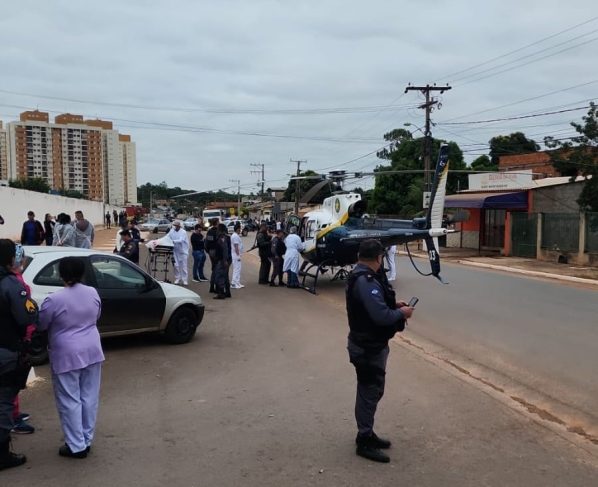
[290,265]
[180,252]
[130,248]
[374,318]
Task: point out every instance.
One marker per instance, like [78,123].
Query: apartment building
[73,154]
[129,165]
[3,154]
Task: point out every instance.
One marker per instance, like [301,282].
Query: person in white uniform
[391,273]
[181,252]
[237,250]
[292,257]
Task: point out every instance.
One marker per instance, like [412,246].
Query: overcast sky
[207,87]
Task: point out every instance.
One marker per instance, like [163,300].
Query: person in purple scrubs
[70,316]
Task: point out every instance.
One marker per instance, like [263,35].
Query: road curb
[515,270]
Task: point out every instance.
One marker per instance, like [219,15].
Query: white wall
[15,203]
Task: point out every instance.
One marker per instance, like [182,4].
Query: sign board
[501,180]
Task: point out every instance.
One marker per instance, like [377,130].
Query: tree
[305,185]
[72,193]
[579,156]
[483,163]
[402,194]
[32,184]
[515,143]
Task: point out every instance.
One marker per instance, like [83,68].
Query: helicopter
[332,233]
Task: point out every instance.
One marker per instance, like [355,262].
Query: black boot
[368,448]
[9,459]
[376,441]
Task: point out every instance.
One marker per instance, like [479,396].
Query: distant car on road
[249,225]
[132,300]
[155,226]
[189,223]
[230,226]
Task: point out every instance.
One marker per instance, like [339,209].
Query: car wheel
[155,230]
[181,326]
[38,349]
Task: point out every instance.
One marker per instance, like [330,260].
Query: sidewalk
[532,267]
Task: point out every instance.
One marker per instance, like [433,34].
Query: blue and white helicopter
[332,233]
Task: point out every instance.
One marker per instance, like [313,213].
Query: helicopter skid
[307,272]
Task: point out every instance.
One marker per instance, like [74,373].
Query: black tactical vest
[362,330]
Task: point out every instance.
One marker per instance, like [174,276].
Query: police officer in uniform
[211,248]
[222,263]
[17,311]
[130,248]
[374,318]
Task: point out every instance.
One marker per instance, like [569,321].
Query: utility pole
[238,181]
[258,164]
[298,183]
[428,106]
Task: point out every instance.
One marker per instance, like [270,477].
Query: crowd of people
[70,317]
[59,231]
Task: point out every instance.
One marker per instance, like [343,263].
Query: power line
[518,49]
[527,63]
[250,111]
[518,102]
[471,122]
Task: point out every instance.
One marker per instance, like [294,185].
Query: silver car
[132,300]
[155,226]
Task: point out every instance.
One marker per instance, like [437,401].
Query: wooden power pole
[428,106]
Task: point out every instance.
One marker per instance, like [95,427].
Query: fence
[560,232]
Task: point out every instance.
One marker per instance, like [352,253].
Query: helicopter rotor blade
[314,190]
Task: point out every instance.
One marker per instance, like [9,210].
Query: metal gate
[524,228]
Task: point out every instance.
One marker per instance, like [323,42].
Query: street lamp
[409,124]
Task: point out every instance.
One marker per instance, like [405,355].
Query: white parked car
[155,226]
[132,300]
[189,223]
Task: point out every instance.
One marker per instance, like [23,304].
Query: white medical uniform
[391,273]
[236,280]
[292,255]
[181,254]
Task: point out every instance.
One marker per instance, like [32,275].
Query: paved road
[535,336]
[263,396]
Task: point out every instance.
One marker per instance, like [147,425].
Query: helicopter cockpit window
[303,229]
[311,228]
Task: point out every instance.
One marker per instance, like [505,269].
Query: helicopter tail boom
[437,197]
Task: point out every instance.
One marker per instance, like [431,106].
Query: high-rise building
[3,153]
[73,154]
[129,164]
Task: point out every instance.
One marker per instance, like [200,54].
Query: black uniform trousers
[8,362]
[370,368]
[276,269]
[264,270]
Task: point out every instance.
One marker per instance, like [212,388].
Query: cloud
[272,55]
